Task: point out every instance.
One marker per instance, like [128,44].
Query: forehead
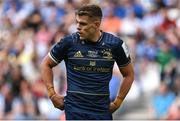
[83,18]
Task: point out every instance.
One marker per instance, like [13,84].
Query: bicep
[48,62]
[127,70]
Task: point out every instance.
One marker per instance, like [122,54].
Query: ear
[97,24]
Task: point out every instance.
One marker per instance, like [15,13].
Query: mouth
[80,33]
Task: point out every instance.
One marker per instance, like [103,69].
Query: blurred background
[151,29]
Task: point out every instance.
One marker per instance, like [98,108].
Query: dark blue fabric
[84,116]
[89,70]
[71,115]
[94,104]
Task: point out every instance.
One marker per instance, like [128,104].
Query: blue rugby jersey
[89,69]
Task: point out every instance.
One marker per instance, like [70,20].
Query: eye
[82,23]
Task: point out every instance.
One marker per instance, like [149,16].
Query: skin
[89,29]
[128,78]
[47,75]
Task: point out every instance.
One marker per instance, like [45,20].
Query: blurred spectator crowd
[29,28]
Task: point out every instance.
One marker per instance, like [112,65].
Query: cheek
[91,30]
[87,30]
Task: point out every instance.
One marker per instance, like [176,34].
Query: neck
[96,37]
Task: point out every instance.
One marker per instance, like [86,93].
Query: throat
[96,38]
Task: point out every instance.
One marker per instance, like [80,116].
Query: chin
[82,38]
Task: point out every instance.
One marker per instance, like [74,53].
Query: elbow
[130,77]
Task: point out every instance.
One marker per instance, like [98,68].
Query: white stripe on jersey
[125,48]
[52,58]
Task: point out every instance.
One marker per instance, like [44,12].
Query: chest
[91,58]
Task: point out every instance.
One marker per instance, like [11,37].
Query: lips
[80,33]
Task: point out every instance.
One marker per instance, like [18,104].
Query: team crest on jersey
[92,54]
[92,63]
[107,54]
[78,54]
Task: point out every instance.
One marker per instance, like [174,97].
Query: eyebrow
[81,22]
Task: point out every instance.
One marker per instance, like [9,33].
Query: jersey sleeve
[122,54]
[58,51]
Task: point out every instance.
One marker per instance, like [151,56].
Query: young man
[89,55]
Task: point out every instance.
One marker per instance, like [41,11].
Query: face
[86,27]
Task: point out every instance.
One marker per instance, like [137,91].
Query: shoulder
[112,39]
[70,38]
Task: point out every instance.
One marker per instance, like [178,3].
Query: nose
[78,27]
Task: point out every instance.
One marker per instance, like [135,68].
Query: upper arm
[48,62]
[59,51]
[123,59]
[121,54]
[127,71]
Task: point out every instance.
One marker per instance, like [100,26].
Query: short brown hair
[91,10]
